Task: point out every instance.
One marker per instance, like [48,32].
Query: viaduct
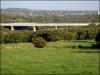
[34,25]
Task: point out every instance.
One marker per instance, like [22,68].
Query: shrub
[2,37]
[49,35]
[54,36]
[15,37]
[57,35]
[39,42]
[45,34]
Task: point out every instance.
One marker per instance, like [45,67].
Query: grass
[24,59]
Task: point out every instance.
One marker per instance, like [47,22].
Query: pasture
[55,58]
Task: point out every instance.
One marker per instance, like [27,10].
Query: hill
[25,11]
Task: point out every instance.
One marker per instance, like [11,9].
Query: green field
[55,58]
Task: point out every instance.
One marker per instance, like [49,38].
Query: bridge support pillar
[55,27]
[34,28]
[12,28]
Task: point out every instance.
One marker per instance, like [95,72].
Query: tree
[2,37]
[39,42]
[69,36]
[50,35]
[92,30]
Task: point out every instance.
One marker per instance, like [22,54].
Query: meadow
[55,58]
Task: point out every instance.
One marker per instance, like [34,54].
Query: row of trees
[28,36]
[15,37]
[91,32]
[50,19]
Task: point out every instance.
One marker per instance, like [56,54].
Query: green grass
[24,59]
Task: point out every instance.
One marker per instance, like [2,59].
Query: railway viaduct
[34,25]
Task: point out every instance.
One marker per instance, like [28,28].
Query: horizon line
[54,9]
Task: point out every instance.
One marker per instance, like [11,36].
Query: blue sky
[52,5]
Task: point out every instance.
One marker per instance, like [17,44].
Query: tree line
[50,18]
[91,32]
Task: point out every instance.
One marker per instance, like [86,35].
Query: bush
[54,36]
[2,37]
[15,37]
[49,35]
[45,34]
[39,42]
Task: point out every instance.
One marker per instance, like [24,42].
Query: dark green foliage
[98,40]
[53,35]
[15,37]
[4,29]
[2,37]
[92,30]
[46,35]
[82,35]
[87,33]
[68,33]
[69,36]
[97,37]
[56,35]
[39,42]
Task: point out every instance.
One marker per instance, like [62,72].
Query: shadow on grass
[87,49]
[90,46]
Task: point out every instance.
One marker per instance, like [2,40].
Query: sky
[52,5]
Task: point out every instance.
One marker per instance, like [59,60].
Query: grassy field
[55,58]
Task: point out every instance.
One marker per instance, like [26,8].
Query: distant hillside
[24,11]
[10,15]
